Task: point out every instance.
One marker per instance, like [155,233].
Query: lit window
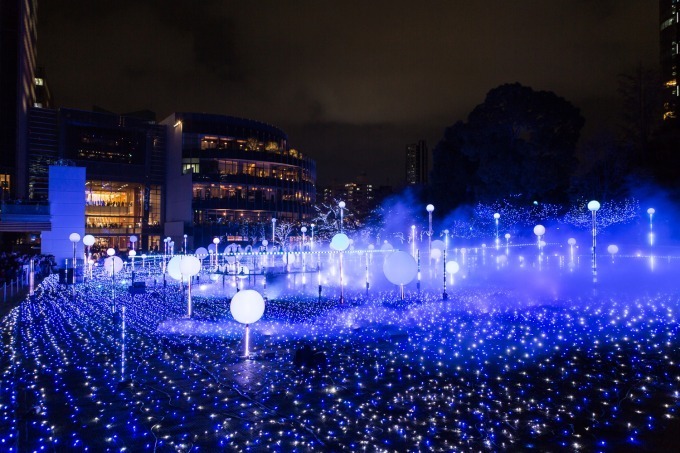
[39,81]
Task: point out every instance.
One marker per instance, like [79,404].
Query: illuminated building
[18,20]
[223,169]
[417,163]
[124,158]
[669,16]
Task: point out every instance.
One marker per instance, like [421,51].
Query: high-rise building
[669,18]
[18,34]
[417,163]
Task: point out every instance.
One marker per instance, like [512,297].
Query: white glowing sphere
[214,277]
[541,243]
[115,262]
[400,268]
[290,257]
[371,247]
[650,211]
[386,246]
[339,242]
[247,306]
[303,229]
[613,249]
[74,237]
[429,208]
[593,205]
[571,241]
[265,243]
[435,254]
[88,240]
[452,267]
[189,266]
[539,230]
[132,253]
[173,267]
[496,216]
[437,244]
[110,251]
[133,238]
[212,248]
[201,253]
[507,235]
[216,241]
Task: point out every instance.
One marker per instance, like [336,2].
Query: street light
[651,212]
[341,205]
[88,240]
[593,207]
[507,243]
[413,240]
[216,241]
[185,244]
[429,208]
[74,238]
[497,216]
[273,230]
[539,230]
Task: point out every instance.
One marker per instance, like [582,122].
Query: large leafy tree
[519,142]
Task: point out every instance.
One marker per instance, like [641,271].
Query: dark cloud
[347,70]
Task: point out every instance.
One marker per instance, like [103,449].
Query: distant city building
[223,169]
[417,163]
[124,159]
[361,197]
[669,18]
[18,35]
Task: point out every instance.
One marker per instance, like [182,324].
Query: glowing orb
[593,205]
[201,253]
[452,267]
[114,261]
[212,248]
[400,268]
[189,266]
[435,254]
[247,306]
[173,267]
[340,242]
[439,245]
[386,246]
[539,230]
[613,249]
[571,241]
[88,240]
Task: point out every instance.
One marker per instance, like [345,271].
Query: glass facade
[244,171]
[124,159]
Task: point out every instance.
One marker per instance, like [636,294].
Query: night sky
[351,82]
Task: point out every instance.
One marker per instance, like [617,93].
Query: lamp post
[111,253]
[132,253]
[413,240]
[572,243]
[507,243]
[88,240]
[429,208]
[497,216]
[651,212]
[539,230]
[74,238]
[341,205]
[311,245]
[593,207]
[216,241]
[185,244]
[304,232]
[273,230]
